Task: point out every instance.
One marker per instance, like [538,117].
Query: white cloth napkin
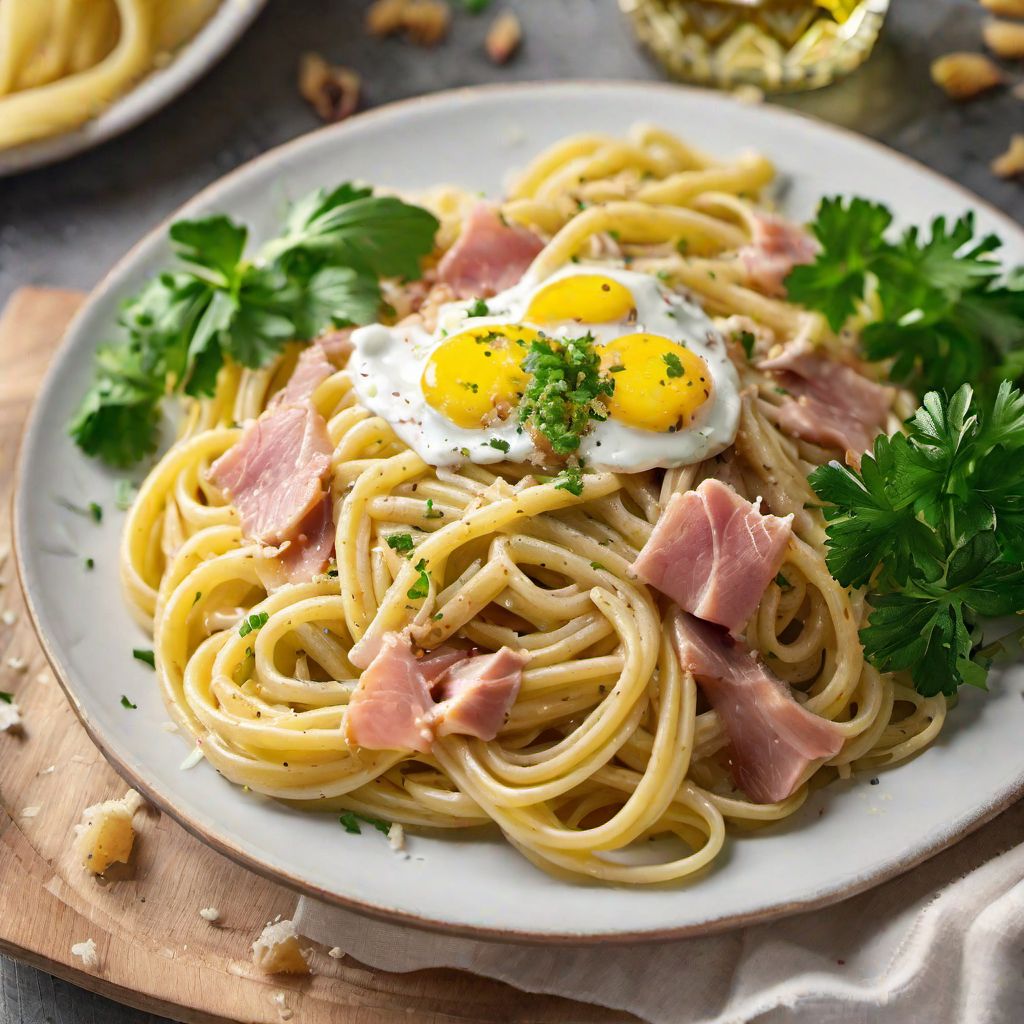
[943,944]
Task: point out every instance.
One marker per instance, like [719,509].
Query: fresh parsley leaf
[148,657]
[401,542]
[565,392]
[673,367]
[255,621]
[7,698]
[350,821]
[501,445]
[90,563]
[421,587]
[478,308]
[96,512]
[128,705]
[570,479]
[430,512]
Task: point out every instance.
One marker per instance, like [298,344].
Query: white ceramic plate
[848,837]
[156,90]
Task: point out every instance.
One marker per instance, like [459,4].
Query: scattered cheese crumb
[277,950]
[211,914]
[10,717]
[335,952]
[42,678]
[1010,163]
[17,664]
[87,951]
[169,726]
[396,837]
[49,771]
[30,812]
[106,835]
[504,37]
[965,75]
[749,94]
[282,1007]
[9,617]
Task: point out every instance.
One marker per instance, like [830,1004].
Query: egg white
[387,365]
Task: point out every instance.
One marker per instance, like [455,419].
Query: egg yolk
[593,298]
[659,385]
[476,377]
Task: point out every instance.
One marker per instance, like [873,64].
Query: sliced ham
[336,344]
[309,553]
[774,739]
[714,553]
[776,248]
[828,402]
[394,707]
[488,256]
[477,695]
[311,370]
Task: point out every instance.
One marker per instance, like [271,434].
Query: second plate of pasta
[536,571]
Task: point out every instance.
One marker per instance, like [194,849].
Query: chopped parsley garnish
[7,698]
[682,246]
[598,567]
[96,511]
[947,312]
[124,494]
[502,446]
[746,339]
[437,617]
[478,308]
[431,512]
[401,542]
[781,581]
[140,654]
[90,563]
[350,821]
[933,524]
[195,600]
[421,587]
[218,304]
[673,367]
[254,622]
[571,480]
[565,391]
[126,703]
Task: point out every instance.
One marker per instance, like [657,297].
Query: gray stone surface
[65,225]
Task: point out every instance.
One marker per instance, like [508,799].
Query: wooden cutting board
[156,953]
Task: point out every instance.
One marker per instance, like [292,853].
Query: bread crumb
[211,914]
[10,717]
[30,812]
[335,952]
[504,37]
[965,75]
[277,950]
[17,664]
[332,91]
[1006,8]
[1010,163]
[283,1010]
[48,771]
[396,836]
[1004,38]
[106,835]
[9,617]
[87,952]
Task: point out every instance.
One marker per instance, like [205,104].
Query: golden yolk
[592,298]
[660,385]
[477,375]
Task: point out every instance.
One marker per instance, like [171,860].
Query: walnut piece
[503,37]
[332,91]
[106,835]
[965,75]
[1011,163]
[277,950]
[386,17]
[1004,38]
[1005,8]
[426,21]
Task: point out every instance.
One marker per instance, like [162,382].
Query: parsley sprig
[933,523]
[218,304]
[947,312]
[565,391]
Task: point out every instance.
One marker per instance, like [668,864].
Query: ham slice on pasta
[775,249]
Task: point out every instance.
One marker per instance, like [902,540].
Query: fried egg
[454,395]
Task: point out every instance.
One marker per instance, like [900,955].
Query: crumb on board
[279,999]
[106,835]
[9,617]
[277,950]
[335,952]
[504,37]
[1004,38]
[10,717]
[396,837]
[965,75]
[17,664]
[1011,163]
[86,951]
[211,914]
[331,90]
[30,812]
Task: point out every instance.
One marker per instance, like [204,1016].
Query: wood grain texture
[156,953]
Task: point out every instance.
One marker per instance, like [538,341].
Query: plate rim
[818,900]
[216,37]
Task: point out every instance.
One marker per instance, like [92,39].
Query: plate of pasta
[561,512]
[73,75]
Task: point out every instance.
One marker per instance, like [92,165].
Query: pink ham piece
[393,707]
[310,552]
[829,402]
[774,739]
[311,370]
[776,248]
[477,695]
[488,256]
[714,553]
